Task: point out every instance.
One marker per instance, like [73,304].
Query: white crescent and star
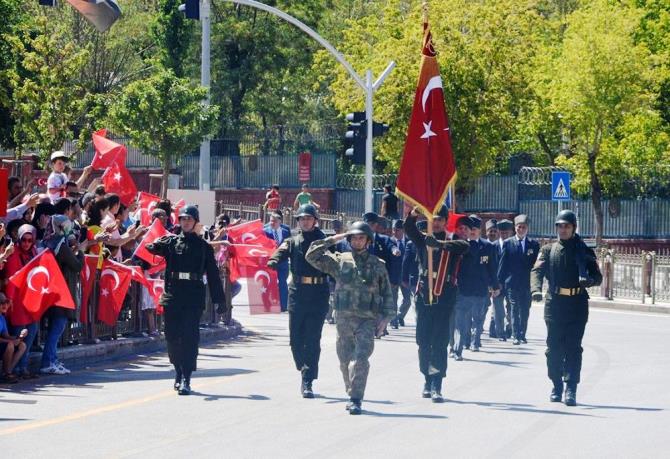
[111,272]
[428,133]
[151,206]
[33,272]
[87,272]
[433,83]
[158,288]
[248,236]
[262,274]
[258,253]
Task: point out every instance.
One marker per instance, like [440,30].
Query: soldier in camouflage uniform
[363,303]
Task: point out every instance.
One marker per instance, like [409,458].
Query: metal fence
[491,193]
[353,201]
[259,171]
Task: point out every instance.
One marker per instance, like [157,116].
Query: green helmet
[307,210]
[361,228]
[190,211]
[566,216]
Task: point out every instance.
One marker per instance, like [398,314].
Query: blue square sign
[560,186]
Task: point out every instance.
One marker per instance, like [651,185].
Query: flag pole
[429,217]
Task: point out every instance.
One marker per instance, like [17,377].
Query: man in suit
[519,254]
[278,232]
[401,242]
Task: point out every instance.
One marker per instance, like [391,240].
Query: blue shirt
[3,325]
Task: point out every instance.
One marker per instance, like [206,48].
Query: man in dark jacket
[570,267]
[518,257]
[189,259]
[434,309]
[308,296]
[277,231]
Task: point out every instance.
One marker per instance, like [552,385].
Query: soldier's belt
[446,279]
[185,276]
[310,280]
[568,291]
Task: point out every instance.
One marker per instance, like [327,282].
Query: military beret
[519,219]
[476,221]
[422,225]
[505,225]
[464,220]
[493,223]
[370,217]
[398,224]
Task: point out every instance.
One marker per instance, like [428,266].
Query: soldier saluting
[189,258]
[308,296]
[433,318]
[363,303]
[570,267]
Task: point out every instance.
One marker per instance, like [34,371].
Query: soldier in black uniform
[189,258]
[570,268]
[433,319]
[308,296]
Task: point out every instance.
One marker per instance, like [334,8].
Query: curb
[602,303]
[82,355]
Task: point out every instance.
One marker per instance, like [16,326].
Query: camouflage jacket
[362,286]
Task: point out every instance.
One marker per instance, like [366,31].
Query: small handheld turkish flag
[113,286]
[247,256]
[263,291]
[156,231]
[117,179]
[87,281]
[40,285]
[148,203]
[250,233]
[107,152]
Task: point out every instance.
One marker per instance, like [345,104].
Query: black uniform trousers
[182,334]
[308,306]
[519,300]
[433,331]
[566,319]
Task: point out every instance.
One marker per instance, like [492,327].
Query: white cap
[59,155]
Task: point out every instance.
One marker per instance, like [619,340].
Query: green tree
[164,116]
[47,96]
[172,34]
[10,13]
[600,84]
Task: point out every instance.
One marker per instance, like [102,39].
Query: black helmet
[307,210]
[361,228]
[442,212]
[566,216]
[190,211]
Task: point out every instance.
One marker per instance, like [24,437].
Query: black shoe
[185,388]
[516,342]
[458,357]
[177,380]
[571,396]
[394,324]
[354,406]
[475,348]
[306,389]
[556,393]
[502,339]
[425,393]
[436,389]
[401,321]
[523,341]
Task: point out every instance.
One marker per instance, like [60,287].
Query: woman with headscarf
[60,240]
[18,316]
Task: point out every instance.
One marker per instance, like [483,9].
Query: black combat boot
[436,389]
[185,388]
[556,392]
[178,377]
[426,387]
[571,395]
[306,389]
[354,406]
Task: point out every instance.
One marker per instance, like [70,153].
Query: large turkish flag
[107,152]
[117,179]
[428,167]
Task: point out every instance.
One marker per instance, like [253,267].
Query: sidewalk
[81,355]
[629,305]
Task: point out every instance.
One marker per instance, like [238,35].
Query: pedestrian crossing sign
[560,186]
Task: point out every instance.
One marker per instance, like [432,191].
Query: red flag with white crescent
[147,203]
[117,179]
[428,167]
[243,256]
[87,281]
[263,291]
[107,152]
[40,284]
[156,289]
[156,231]
[175,211]
[112,289]
[250,233]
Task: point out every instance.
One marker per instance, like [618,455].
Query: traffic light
[379,129]
[191,9]
[48,2]
[355,136]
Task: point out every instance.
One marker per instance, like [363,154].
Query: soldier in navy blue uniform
[498,302]
[518,257]
[307,297]
[487,271]
[401,241]
[434,317]
[502,327]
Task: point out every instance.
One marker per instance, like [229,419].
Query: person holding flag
[427,172]
[189,259]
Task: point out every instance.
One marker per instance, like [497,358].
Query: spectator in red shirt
[272,199]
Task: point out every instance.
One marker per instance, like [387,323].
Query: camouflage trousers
[355,343]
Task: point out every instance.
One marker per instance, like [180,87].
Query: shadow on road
[342,400]
[214,397]
[522,407]
[616,407]
[403,415]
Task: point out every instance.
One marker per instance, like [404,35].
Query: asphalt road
[247,402]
